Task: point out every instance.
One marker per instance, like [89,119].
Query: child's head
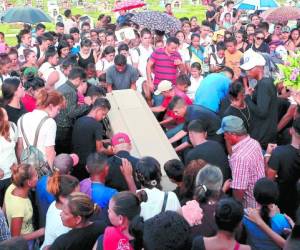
[91,70]
[123,49]
[266,193]
[196,70]
[174,170]
[221,49]
[109,53]
[227,17]
[159,44]
[96,164]
[183,82]
[230,44]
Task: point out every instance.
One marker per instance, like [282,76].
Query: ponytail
[46,97]
[128,204]
[61,185]
[264,213]
[53,183]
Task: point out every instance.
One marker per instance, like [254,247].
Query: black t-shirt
[81,238]
[212,23]
[210,119]
[212,152]
[86,132]
[264,112]
[286,161]
[115,178]
[263,48]
[14,114]
[244,114]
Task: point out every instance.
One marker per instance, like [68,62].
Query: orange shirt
[233,61]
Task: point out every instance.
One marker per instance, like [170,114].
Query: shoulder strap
[23,133]
[37,132]
[138,51]
[165,202]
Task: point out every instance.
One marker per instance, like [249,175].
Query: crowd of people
[66,184]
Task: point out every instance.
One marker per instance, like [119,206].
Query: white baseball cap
[163,86]
[252,59]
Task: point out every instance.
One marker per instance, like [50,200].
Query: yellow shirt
[233,61]
[17,207]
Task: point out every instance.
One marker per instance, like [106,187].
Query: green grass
[187,10]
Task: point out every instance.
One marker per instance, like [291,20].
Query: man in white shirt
[140,56]
[69,23]
[26,40]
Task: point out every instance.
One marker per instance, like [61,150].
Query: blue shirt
[102,194]
[212,90]
[258,239]
[43,197]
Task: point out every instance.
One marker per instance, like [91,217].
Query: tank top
[84,62]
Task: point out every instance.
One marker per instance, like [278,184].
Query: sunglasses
[260,38]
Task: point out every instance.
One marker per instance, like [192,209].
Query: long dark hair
[9,87]
[266,192]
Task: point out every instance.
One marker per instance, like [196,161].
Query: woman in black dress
[86,55]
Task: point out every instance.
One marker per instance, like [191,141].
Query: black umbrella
[25,15]
[155,20]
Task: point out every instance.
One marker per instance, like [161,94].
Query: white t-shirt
[54,226]
[103,65]
[154,204]
[193,88]
[7,151]
[45,70]
[47,133]
[185,54]
[62,78]
[69,23]
[214,62]
[21,52]
[140,56]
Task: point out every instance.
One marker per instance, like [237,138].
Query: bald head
[64,163]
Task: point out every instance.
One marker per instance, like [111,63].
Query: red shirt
[167,101]
[29,102]
[113,239]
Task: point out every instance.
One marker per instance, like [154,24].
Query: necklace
[247,116]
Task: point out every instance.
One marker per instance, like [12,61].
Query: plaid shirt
[4,231]
[247,166]
[67,116]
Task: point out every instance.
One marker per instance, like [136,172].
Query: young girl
[106,61]
[196,79]
[18,206]
[60,186]
[123,207]
[266,193]
[227,22]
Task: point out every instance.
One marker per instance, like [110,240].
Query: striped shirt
[164,67]
[247,166]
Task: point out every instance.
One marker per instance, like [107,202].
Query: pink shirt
[247,166]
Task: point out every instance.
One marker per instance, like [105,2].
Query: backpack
[31,154]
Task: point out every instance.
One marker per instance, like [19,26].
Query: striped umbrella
[281,14]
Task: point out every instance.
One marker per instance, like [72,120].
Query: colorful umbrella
[25,15]
[281,14]
[155,20]
[256,4]
[129,5]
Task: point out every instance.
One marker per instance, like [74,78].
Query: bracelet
[267,155]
